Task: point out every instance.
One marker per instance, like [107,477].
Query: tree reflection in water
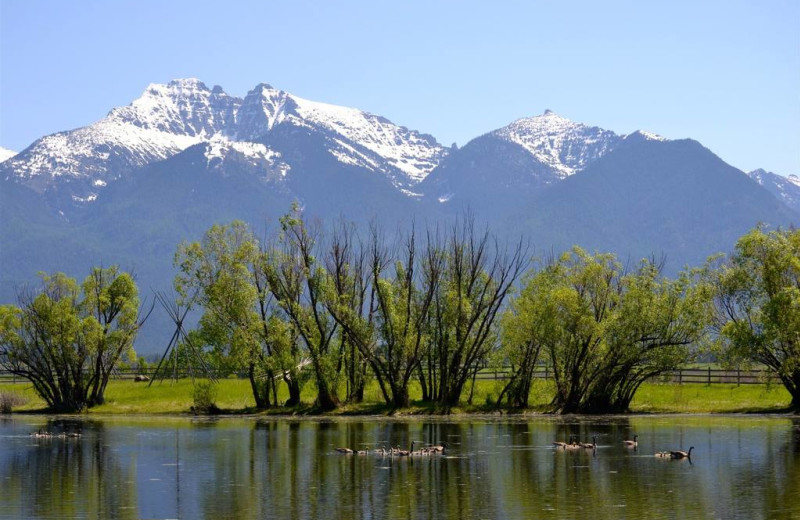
[743,467]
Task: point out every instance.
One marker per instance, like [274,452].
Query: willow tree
[526,326]
[350,299]
[605,331]
[301,286]
[392,333]
[757,302]
[66,339]
[477,275]
[223,273]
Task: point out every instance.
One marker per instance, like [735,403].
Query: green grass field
[234,397]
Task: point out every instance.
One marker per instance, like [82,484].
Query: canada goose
[590,445]
[439,448]
[559,444]
[664,455]
[406,453]
[632,444]
[682,454]
[346,451]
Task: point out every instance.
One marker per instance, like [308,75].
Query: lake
[120,467]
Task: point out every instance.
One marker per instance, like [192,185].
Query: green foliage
[603,331]
[477,275]
[220,273]
[301,288]
[204,397]
[757,300]
[66,339]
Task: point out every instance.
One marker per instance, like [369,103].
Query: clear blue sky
[726,73]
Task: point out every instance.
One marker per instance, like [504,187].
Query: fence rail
[706,376]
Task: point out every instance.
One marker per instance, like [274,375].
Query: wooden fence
[707,376]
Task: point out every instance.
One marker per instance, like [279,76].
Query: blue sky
[726,73]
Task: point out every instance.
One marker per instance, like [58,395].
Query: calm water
[741,467]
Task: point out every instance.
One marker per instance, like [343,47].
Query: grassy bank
[233,396]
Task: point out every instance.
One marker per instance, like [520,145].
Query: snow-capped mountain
[786,189]
[561,144]
[354,137]
[518,160]
[168,119]
[6,154]
[165,120]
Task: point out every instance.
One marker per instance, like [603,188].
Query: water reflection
[742,467]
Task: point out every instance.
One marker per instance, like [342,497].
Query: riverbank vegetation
[337,321]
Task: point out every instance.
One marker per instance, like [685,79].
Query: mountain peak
[182,107]
[186,83]
[558,142]
[5,154]
[642,135]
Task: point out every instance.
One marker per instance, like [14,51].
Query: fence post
[709,376]
[680,376]
[546,372]
[738,376]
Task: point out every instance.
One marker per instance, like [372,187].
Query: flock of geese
[570,445]
[435,449]
[573,444]
[42,434]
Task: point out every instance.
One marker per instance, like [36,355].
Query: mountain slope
[785,189]
[508,165]
[651,197]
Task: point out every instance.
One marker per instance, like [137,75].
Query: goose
[664,455]
[632,444]
[590,445]
[346,451]
[406,453]
[560,444]
[681,454]
[438,448]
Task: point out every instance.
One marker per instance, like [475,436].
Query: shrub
[204,397]
[9,401]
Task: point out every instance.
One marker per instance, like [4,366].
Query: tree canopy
[67,339]
[757,302]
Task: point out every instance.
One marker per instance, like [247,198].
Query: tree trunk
[260,392]
[326,399]
[400,396]
[294,390]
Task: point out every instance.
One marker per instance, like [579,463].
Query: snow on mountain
[562,144]
[167,119]
[786,189]
[5,154]
[356,137]
[220,150]
[182,107]
[409,151]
